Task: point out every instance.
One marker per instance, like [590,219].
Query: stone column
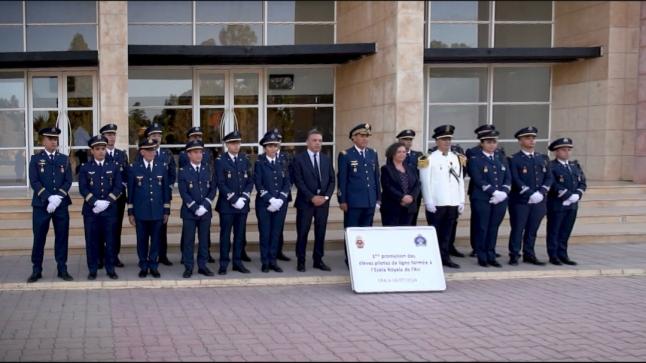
[595,101]
[113,67]
[385,90]
[639,162]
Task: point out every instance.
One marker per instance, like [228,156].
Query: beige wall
[113,67]
[595,101]
[385,89]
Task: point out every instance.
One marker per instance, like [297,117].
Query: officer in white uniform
[442,178]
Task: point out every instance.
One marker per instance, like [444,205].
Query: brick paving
[573,319]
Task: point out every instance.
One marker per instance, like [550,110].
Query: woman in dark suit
[400,187]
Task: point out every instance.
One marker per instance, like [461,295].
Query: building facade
[574,69]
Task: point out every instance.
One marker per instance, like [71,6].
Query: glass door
[66,100]
[228,100]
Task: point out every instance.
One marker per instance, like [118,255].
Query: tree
[238,34]
[78,43]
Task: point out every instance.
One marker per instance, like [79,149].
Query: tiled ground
[602,318]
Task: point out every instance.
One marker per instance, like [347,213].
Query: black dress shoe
[567,261]
[35,277]
[165,261]
[555,261]
[118,263]
[456,253]
[451,264]
[264,268]
[143,273]
[205,271]
[187,274]
[65,276]
[482,264]
[494,263]
[281,256]
[241,269]
[321,266]
[275,268]
[155,273]
[472,254]
[222,271]
[245,257]
[91,276]
[113,275]
[533,260]
[513,261]
[211,259]
[300,266]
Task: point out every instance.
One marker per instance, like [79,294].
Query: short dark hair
[313,132]
[392,150]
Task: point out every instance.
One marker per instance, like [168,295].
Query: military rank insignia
[486,170]
[42,163]
[524,170]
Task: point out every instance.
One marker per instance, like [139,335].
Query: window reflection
[229,34]
[13,167]
[53,37]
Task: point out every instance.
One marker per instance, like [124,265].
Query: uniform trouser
[243,247]
[40,224]
[121,207]
[228,222]
[525,220]
[163,242]
[443,220]
[100,230]
[270,226]
[396,217]
[487,218]
[304,222]
[559,228]
[472,230]
[203,226]
[357,217]
[148,237]
[454,230]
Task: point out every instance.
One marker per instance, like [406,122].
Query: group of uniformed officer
[527,183]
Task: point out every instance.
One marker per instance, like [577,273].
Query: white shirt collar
[233,157]
[272,159]
[99,163]
[527,152]
[50,154]
[311,153]
[147,163]
[359,150]
[564,162]
[487,154]
[195,166]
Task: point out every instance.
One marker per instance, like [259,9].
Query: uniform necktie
[51,157]
[491,157]
[316,171]
[150,167]
[197,169]
[363,155]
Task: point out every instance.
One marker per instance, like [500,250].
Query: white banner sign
[389,259]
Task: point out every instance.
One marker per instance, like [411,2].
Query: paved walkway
[598,318]
[594,260]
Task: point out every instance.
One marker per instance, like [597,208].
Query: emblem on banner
[420,241]
[360,242]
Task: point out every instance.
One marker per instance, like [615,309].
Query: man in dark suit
[314,179]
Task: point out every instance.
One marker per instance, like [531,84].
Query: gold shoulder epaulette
[462,159]
[423,162]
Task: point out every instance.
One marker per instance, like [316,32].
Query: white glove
[239,204]
[275,203]
[431,207]
[96,210]
[200,211]
[272,208]
[498,196]
[101,205]
[461,208]
[51,208]
[573,198]
[567,203]
[55,199]
[377,206]
[535,198]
